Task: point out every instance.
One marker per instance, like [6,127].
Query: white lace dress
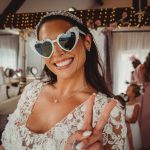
[135,129]
[18,137]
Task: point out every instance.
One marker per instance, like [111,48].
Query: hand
[87,138]
[1,148]
[92,142]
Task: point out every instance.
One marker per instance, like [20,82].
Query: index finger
[88,116]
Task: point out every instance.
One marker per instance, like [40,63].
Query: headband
[60,13]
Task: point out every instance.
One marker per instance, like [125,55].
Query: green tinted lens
[67,41]
[44,49]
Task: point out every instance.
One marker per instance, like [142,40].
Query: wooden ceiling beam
[12,7]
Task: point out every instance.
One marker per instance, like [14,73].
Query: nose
[57,50]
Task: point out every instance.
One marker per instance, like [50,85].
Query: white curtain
[99,38]
[125,45]
[9,51]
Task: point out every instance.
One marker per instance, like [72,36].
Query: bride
[64,114]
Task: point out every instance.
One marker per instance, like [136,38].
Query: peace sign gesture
[89,138]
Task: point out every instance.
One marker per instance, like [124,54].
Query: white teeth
[64,63]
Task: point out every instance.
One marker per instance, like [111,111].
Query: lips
[63,63]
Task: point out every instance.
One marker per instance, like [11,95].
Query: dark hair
[123,98]
[137,89]
[135,63]
[147,68]
[94,72]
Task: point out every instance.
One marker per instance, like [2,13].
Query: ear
[88,41]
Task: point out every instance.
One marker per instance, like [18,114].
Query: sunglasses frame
[72,29]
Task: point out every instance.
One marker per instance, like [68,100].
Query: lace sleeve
[29,89]
[20,104]
[115,131]
[26,100]
[11,134]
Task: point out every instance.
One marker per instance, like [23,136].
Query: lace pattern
[17,136]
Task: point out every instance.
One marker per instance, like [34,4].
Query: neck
[73,84]
[131,100]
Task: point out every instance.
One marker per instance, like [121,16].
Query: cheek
[80,49]
[81,55]
[47,63]
[128,91]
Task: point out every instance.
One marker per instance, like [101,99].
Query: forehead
[50,29]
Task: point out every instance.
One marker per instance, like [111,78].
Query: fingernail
[86,133]
[79,146]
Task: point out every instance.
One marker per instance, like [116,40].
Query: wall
[3,5]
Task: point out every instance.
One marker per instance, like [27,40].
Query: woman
[64,113]
[132,114]
[135,62]
[142,76]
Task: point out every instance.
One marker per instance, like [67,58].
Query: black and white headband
[60,13]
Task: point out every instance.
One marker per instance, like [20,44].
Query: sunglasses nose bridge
[57,50]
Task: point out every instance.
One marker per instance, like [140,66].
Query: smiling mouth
[63,64]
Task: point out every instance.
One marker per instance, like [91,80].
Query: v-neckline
[57,123]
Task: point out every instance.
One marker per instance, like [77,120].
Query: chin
[64,76]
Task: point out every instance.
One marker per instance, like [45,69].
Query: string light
[105,16]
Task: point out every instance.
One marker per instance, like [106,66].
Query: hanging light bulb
[72,9]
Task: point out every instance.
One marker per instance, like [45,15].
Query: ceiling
[49,5]
[3,5]
[25,6]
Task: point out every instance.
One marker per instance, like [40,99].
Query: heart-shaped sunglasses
[67,42]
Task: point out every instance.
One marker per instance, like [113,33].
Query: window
[9,51]
[125,67]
